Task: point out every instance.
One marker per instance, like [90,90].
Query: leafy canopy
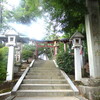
[27,11]
[68,13]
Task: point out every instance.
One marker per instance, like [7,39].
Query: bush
[27,51]
[2,73]
[3,62]
[26,54]
[66,62]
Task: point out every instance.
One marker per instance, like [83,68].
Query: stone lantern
[77,46]
[77,40]
[12,38]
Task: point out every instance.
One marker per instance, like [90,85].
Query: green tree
[70,13]
[5,16]
[27,11]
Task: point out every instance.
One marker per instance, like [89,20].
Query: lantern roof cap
[11,33]
[77,35]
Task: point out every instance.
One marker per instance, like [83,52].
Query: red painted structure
[50,44]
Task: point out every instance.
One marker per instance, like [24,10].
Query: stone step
[43,77]
[44,86]
[47,98]
[44,93]
[44,72]
[44,68]
[44,81]
[50,71]
[36,73]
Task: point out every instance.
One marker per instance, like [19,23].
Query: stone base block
[90,81]
[17,67]
[90,92]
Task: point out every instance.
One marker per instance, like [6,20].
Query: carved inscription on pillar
[93,8]
[97,52]
[97,42]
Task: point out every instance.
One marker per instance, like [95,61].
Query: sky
[35,30]
[14,3]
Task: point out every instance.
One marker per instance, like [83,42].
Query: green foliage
[27,54]
[27,11]
[66,62]
[69,14]
[5,16]
[27,51]
[28,47]
[3,62]
[2,73]
[1,45]
[48,51]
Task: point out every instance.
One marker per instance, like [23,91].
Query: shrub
[26,54]
[27,51]
[2,72]
[3,62]
[66,62]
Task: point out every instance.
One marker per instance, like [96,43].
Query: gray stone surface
[44,80]
[90,81]
[47,98]
[92,93]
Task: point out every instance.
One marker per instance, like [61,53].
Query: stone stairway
[44,80]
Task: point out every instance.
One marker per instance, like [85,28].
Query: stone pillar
[11,44]
[65,47]
[55,48]
[10,63]
[18,56]
[92,21]
[77,46]
[18,52]
[36,50]
[78,64]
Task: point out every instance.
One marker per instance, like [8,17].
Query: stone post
[36,50]
[55,48]
[11,44]
[65,47]
[77,46]
[18,52]
[92,21]
[10,64]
